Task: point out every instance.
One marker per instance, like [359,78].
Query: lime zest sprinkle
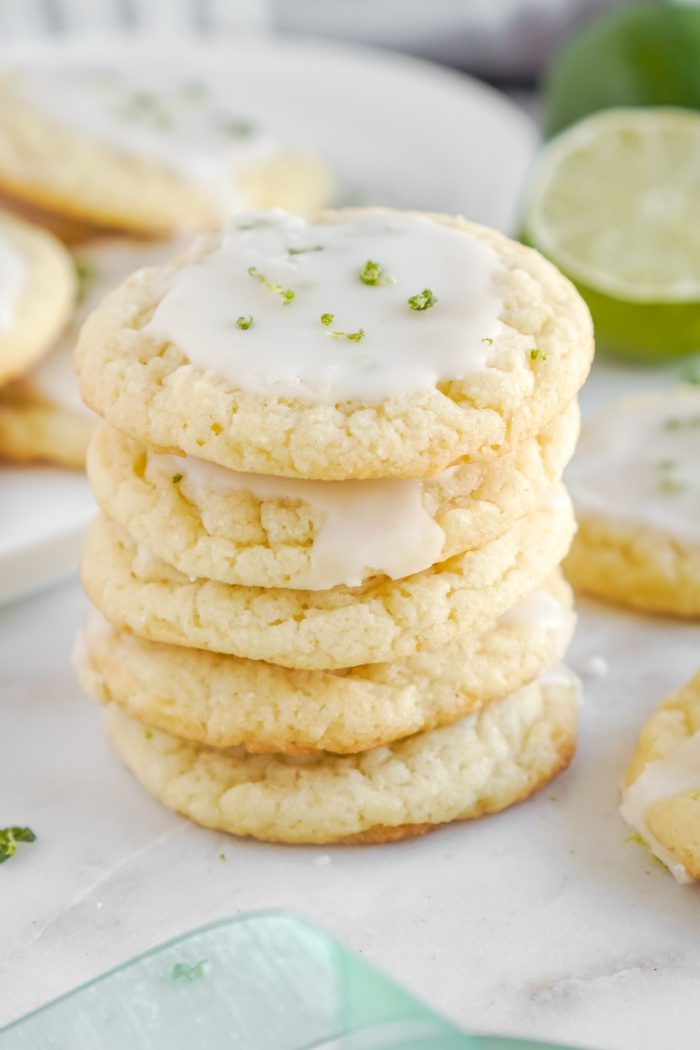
[245,322]
[10,838]
[489,342]
[176,477]
[327,319]
[222,856]
[85,272]
[674,423]
[639,840]
[422,300]
[372,273]
[354,337]
[305,251]
[537,355]
[148,733]
[183,972]
[286,293]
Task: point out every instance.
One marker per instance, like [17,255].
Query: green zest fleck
[372,273]
[222,856]
[236,128]
[148,733]
[354,337]
[676,424]
[489,342]
[423,300]
[244,322]
[9,839]
[304,251]
[286,293]
[85,273]
[327,319]
[183,972]
[176,478]
[537,355]
[640,841]
[671,486]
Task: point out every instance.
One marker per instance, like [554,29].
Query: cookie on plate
[37,288]
[661,792]
[636,489]
[284,532]
[42,416]
[97,145]
[476,766]
[367,344]
[224,701]
[344,627]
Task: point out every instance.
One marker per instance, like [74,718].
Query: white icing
[677,774]
[541,609]
[13,274]
[638,464]
[182,122]
[108,263]
[288,351]
[368,527]
[94,625]
[558,676]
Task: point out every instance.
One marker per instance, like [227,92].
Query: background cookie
[37,286]
[224,701]
[636,488]
[476,766]
[283,532]
[97,146]
[661,793]
[42,416]
[343,627]
[356,415]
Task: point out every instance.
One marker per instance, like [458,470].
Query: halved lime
[614,202]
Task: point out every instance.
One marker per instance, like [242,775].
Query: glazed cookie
[369,344]
[149,153]
[636,489]
[37,287]
[42,416]
[283,532]
[223,701]
[343,627]
[661,793]
[476,766]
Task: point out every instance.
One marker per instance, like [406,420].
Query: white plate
[396,130]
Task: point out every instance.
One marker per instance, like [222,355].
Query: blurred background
[503,41]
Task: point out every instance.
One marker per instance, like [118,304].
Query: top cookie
[368,344]
[37,288]
[146,150]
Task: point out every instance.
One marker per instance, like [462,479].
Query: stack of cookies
[327,603]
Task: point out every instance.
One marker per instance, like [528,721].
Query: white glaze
[179,121]
[677,774]
[540,608]
[13,274]
[638,464]
[109,263]
[288,351]
[368,527]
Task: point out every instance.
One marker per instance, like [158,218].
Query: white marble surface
[542,921]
